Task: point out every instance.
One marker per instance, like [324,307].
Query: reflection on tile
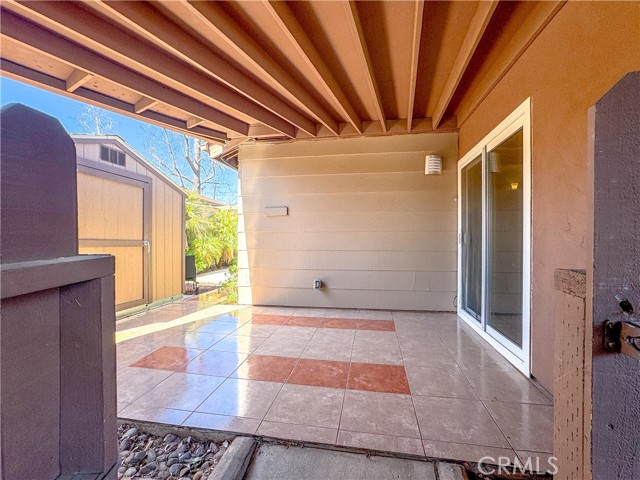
[378,378]
[181,391]
[457,420]
[238,343]
[302,433]
[134,382]
[201,340]
[167,358]
[222,422]
[252,330]
[221,328]
[528,427]
[505,386]
[393,414]
[320,373]
[235,318]
[303,405]
[385,443]
[465,451]
[127,353]
[265,367]
[213,362]
[154,414]
[242,398]
[440,381]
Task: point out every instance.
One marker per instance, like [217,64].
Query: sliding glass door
[494,243]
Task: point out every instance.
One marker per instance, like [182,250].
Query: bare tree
[186,159]
[96,121]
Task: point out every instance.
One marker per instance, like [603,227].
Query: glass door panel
[505,239]
[471,238]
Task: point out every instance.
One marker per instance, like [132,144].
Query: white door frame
[520,118]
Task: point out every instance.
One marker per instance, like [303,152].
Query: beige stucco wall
[580,55]
[363,218]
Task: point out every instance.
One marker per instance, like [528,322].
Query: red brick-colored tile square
[378,378]
[167,358]
[320,373]
[345,323]
[315,322]
[269,319]
[381,325]
[216,363]
[266,367]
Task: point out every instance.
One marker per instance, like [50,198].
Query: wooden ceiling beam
[415,56]
[360,44]
[77,79]
[69,19]
[289,25]
[39,39]
[211,17]
[524,36]
[145,19]
[145,103]
[193,122]
[475,30]
[55,85]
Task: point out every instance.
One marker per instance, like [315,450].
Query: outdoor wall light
[433,165]
[514,185]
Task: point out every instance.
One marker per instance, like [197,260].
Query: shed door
[111,219]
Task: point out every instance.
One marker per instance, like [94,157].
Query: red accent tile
[167,358]
[315,322]
[269,319]
[345,323]
[381,325]
[378,378]
[320,373]
[266,367]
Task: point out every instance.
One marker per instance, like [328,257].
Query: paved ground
[215,278]
[421,384]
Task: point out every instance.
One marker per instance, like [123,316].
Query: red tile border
[269,319]
[167,358]
[315,322]
[344,323]
[378,378]
[266,367]
[341,323]
[380,325]
[320,373]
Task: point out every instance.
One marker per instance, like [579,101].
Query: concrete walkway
[216,277]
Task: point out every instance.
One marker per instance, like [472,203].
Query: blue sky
[67,110]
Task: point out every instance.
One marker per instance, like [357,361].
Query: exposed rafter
[475,30]
[145,19]
[212,17]
[415,55]
[145,104]
[69,19]
[360,44]
[56,85]
[524,36]
[287,22]
[77,79]
[193,122]
[44,41]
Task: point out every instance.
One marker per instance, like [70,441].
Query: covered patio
[413,383]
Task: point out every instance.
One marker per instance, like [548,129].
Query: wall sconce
[514,185]
[433,165]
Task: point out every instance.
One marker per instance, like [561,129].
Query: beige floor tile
[181,391]
[440,381]
[466,452]
[385,443]
[134,382]
[379,413]
[238,343]
[505,386]
[303,433]
[528,427]
[154,414]
[242,398]
[222,422]
[305,405]
[457,420]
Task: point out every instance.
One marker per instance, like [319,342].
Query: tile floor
[415,383]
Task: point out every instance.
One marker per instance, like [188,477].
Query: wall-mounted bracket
[623,337]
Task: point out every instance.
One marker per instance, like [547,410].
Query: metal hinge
[623,337]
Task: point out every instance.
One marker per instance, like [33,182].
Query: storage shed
[127,207]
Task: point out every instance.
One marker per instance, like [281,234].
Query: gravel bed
[166,458]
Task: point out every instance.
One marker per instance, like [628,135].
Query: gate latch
[623,337]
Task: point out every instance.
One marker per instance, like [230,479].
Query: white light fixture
[433,165]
